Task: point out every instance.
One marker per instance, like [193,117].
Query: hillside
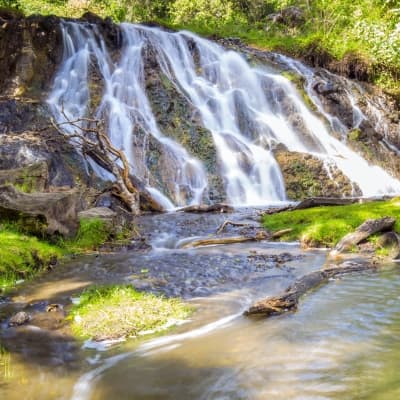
[357,38]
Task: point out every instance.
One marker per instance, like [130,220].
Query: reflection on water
[342,344]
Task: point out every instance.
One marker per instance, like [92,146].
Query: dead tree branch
[93,141]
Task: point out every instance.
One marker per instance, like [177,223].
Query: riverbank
[325,226]
[24,255]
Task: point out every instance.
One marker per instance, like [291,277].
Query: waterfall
[248,110]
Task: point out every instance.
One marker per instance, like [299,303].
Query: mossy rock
[306,176]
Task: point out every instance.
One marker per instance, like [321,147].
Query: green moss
[111,312]
[325,226]
[92,233]
[354,134]
[22,256]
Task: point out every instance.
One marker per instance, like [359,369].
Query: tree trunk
[365,230]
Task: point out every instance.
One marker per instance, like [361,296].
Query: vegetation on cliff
[325,226]
[113,312]
[360,37]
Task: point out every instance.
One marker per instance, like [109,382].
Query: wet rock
[20,318]
[307,176]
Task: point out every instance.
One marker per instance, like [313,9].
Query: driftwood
[313,202]
[278,234]
[289,299]
[204,208]
[259,235]
[365,230]
[59,209]
[222,227]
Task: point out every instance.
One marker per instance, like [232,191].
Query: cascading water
[124,106]
[247,110]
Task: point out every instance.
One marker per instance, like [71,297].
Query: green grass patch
[22,256]
[92,233]
[325,226]
[111,312]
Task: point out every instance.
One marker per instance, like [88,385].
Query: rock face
[35,157]
[307,176]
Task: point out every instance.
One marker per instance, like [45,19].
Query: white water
[248,110]
[124,106]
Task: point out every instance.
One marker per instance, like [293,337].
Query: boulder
[291,16]
[390,241]
[306,176]
[108,216]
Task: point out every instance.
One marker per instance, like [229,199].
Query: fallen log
[324,201]
[58,209]
[289,299]
[260,235]
[278,234]
[368,228]
[314,202]
[204,208]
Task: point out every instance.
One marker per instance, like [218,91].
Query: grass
[325,226]
[22,255]
[92,233]
[112,312]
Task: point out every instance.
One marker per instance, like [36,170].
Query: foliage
[369,28]
[325,226]
[111,312]
[210,13]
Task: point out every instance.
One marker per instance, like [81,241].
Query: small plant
[111,312]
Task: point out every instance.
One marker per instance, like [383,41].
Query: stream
[342,343]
